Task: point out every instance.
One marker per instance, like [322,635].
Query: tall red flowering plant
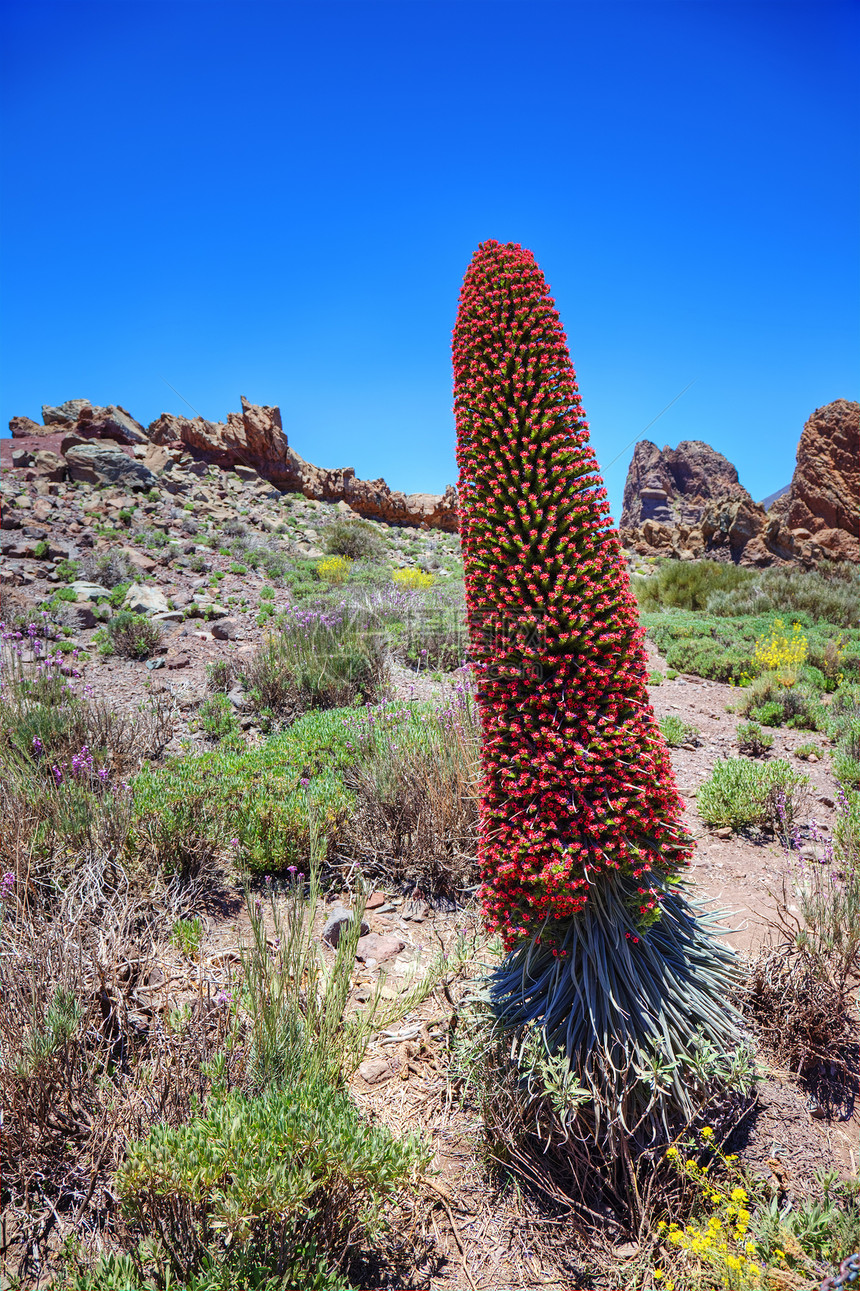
[582,841]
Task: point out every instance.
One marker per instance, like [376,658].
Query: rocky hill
[107,445]
[688,503]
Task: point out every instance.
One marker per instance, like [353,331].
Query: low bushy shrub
[677,732]
[317,658]
[416,788]
[133,636]
[770,703]
[353,539]
[740,793]
[265,798]
[752,740]
[829,594]
[217,718]
[687,585]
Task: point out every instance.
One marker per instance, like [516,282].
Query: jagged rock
[675,485]
[65,414]
[101,464]
[824,496]
[255,439]
[113,422]
[23,427]
[687,503]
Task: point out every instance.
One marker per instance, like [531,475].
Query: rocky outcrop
[114,423]
[24,428]
[687,503]
[676,485]
[823,501]
[255,438]
[65,414]
[107,464]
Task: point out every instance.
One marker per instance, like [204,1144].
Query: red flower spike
[577,779]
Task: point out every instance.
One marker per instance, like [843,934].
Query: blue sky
[280,200]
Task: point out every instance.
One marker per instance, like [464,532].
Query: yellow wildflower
[707,1132]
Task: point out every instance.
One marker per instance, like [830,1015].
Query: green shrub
[68,570]
[353,539]
[655,677]
[677,732]
[769,714]
[264,797]
[133,635]
[846,831]
[770,703]
[740,793]
[829,594]
[186,935]
[809,750]
[218,719]
[687,585]
[752,739]
[846,769]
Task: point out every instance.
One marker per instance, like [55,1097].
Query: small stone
[338,920]
[725,832]
[374,1070]
[379,948]
[375,900]
[178,661]
[225,630]
[417,911]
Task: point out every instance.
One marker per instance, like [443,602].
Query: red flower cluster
[577,779]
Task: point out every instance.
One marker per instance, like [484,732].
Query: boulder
[144,598]
[65,414]
[101,464]
[23,428]
[49,466]
[113,422]
[85,591]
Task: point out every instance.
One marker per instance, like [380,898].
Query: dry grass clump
[85,1061]
[801,1015]
[417,794]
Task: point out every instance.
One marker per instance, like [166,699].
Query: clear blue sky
[280,200]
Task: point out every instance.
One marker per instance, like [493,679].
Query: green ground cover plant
[740,793]
[723,648]
[676,731]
